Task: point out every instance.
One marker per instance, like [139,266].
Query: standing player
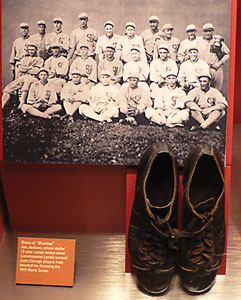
[169,105]
[103,100]
[19,48]
[214,52]
[108,39]
[83,35]
[112,64]
[159,68]
[136,65]
[58,37]
[191,69]
[58,67]
[133,100]
[171,42]
[149,37]
[28,70]
[39,39]
[86,65]
[42,98]
[207,105]
[75,95]
[190,41]
[128,41]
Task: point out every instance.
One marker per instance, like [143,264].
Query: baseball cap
[43,70]
[154,18]
[193,47]
[167,26]
[163,46]
[205,74]
[171,73]
[84,46]
[132,24]
[133,75]
[75,71]
[191,27]
[33,44]
[41,22]
[55,45]
[83,16]
[208,26]
[105,73]
[110,46]
[135,47]
[109,23]
[57,19]
[23,25]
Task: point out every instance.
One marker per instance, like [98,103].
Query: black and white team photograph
[96,83]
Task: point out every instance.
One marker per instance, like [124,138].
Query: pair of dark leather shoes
[155,244]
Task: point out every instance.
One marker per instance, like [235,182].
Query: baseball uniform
[58,69]
[124,47]
[86,67]
[74,96]
[19,49]
[114,66]
[149,38]
[185,45]
[40,41]
[79,37]
[59,38]
[104,41]
[189,72]
[172,44]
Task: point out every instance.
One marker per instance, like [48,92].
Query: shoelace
[154,252]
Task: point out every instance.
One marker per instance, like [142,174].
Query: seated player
[159,68]
[169,105]
[137,65]
[75,95]
[207,105]
[191,69]
[133,100]
[28,70]
[113,64]
[86,65]
[42,98]
[103,102]
[58,67]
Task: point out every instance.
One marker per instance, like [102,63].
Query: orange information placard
[45,261]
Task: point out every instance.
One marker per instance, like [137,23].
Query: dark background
[178,12]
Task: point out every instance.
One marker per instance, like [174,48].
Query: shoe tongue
[205,206]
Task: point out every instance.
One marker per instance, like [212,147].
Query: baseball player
[58,37]
[191,69]
[103,102]
[207,105]
[149,37]
[58,67]
[191,40]
[215,52]
[108,39]
[75,95]
[83,35]
[19,48]
[128,41]
[28,70]
[169,105]
[139,66]
[159,69]
[112,64]
[167,38]
[86,65]
[39,39]
[133,100]
[42,98]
